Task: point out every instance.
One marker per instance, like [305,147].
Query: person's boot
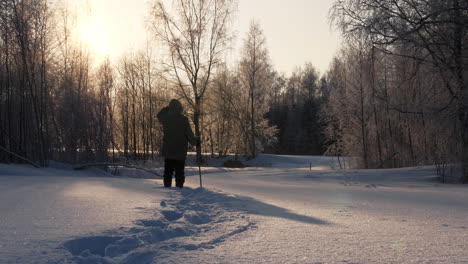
[179,183]
[167,182]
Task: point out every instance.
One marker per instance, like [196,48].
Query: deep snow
[280,211]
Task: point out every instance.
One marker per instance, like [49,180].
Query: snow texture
[281,209]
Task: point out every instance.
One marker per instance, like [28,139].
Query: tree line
[394,95]
[398,88]
[58,103]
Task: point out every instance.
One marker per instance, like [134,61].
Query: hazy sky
[297,31]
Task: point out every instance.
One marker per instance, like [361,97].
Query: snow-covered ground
[286,209]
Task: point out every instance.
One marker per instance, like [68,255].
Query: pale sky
[296,31]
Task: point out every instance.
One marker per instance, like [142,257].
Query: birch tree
[195,33]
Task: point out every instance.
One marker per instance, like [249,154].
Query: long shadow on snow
[194,212]
[247,205]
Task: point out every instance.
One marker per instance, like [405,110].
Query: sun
[93,32]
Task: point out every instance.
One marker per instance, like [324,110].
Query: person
[177,135]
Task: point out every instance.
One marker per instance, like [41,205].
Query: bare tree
[104,110]
[222,130]
[138,97]
[196,35]
[347,109]
[25,49]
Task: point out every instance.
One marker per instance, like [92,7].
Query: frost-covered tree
[437,30]
[196,34]
[255,74]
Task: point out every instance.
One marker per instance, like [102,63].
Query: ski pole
[199,162]
[199,173]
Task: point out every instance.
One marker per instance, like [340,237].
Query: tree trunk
[196,123]
[125,114]
[134,132]
[362,117]
[377,132]
[464,121]
[459,73]
[252,123]
[410,139]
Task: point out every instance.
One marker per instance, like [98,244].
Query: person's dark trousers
[171,166]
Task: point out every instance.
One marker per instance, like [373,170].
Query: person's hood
[175,107]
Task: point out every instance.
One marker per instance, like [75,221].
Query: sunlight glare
[93,32]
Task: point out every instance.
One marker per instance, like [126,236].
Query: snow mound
[269,161]
[194,219]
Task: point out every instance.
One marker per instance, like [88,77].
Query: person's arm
[189,133]
[162,114]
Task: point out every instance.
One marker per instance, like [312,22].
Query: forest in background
[58,103]
[395,94]
[398,88]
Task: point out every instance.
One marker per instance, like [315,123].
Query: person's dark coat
[177,131]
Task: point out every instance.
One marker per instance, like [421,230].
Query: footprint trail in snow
[194,219]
